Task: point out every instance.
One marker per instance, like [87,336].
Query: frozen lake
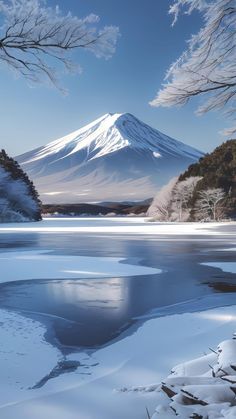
[85,305]
[87,296]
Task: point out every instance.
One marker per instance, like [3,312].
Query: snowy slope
[117,157]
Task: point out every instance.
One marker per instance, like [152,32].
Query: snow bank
[204,388]
[25,356]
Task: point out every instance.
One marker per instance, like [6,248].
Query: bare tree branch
[207,68]
[209,206]
[34,38]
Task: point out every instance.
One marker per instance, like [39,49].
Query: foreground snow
[111,390]
[203,388]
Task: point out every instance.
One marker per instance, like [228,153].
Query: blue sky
[31,117]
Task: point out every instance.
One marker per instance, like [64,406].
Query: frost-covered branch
[160,208]
[172,201]
[34,38]
[182,193]
[207,68]
[209,204]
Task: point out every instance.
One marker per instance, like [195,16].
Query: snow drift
[204,388]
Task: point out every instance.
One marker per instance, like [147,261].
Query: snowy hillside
[18,197]
[116,158]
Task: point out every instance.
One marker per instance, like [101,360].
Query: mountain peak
[113,117]
[115,157]
[111,133]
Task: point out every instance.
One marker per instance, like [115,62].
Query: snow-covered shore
[117,225]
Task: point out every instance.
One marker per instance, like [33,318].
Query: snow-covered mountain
[115,158]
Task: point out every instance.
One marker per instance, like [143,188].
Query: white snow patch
[229,267]
[118,225]
[156,154]
[204,387]
[52,193]
[25,356]
[26,265]
[230,249]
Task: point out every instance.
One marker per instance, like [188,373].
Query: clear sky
[31,117]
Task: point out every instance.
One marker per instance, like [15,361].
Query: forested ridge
[217,170]
[205,191]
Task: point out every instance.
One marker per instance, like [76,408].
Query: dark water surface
[89,313]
